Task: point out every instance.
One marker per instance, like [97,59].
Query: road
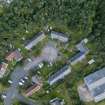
[19,72]
[49,54]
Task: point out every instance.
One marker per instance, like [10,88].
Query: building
[56,101]
[37,85]
[82,47]
[83,51]
[15,55]
[59,75]
[3,68]
[59,36]
[39,37]
[34,88]
[95,84]
[77,58]
[6,1]
[91,61]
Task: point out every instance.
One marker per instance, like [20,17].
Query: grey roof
[76,58]
[95,83]
[59,75]
[39,37]
[94,76]
[83,50]
[81,47]
[98,90]
[60,36]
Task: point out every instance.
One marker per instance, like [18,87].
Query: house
[77,58]
[83,51]
[39,37]
[56,101]
[15,55]
[82,47]
[59,75]
[59,36]
[37,85]
[34,88]
[3,68]
[95,84]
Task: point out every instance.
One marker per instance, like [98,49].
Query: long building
[35,87]
[59,36]
[82,51]
[95,83]
[59,75]
[82,47]
[39,37]
[3,68]
[56,101]
[77,58]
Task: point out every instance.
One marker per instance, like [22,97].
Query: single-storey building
[34,88]
[15,55]
[39,37]
[3,68]
[83,51]
[56,101]
[59,36]
[82,47]
[77,58]
[59,75]
[95,83]
[37,85]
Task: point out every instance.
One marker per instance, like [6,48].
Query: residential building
[83,51]
[34,88]
[37,85]
[59,75]
[77,58]
[82,47]
[39,37]
[59,36]
[15,55]
[3,68]
[56,101]
[95,84]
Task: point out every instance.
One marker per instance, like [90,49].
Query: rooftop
[81,47]
[15,55]
[95,83]
[60,36]
[40,36]
[95,76]
[76,57]
[59,74]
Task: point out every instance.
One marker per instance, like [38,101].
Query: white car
[41,65]
[9,81]
[22,81]
[26,78]
[21,84]
[4,96]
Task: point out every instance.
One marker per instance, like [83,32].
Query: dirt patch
[84,93]
[49,53]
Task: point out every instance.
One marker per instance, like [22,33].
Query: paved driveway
[18,73]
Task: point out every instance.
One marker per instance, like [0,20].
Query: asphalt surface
[49,54]
[19,72]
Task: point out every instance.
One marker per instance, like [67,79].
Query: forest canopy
[23,18]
